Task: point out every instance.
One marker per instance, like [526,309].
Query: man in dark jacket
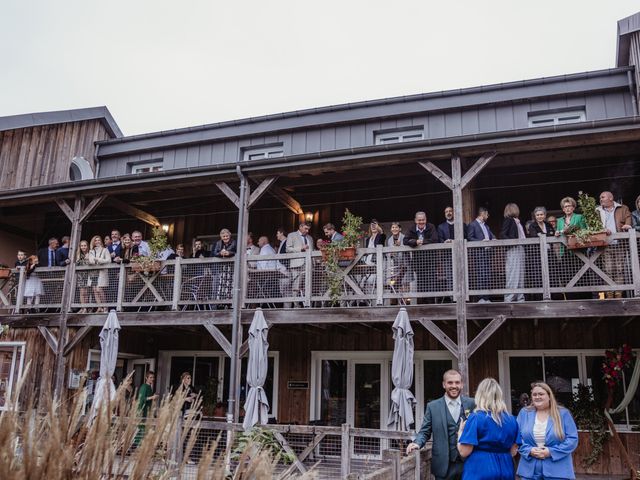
[422,233]
[479,260]
[47,255]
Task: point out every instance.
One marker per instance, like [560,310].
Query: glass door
[140,367]
[368,393]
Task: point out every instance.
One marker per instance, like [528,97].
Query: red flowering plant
[616,360]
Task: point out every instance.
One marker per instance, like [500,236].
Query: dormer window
[263,152]
[556,117]
[147,167]
[412,134]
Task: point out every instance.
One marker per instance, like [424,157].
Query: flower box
[146,266]
[594,240]
[346,254]
[5,272]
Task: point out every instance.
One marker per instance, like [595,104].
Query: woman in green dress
[145,401]
[568,265]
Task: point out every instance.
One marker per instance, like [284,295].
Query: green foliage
[588,206]
[352,235]
[588,416]
[264,440]
[158,242]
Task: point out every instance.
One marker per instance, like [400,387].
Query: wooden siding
[42,155]
[437,124]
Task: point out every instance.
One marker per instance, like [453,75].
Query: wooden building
[531,142]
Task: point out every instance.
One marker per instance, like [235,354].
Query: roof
[464,98]
[626,27]
[28,120]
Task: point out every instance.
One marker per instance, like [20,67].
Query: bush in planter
[588,416]
[332,253]
[157,244]
[592,219]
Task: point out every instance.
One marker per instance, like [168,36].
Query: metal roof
[383,108]
[28,120]
[626,27]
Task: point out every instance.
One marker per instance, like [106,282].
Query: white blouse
[539,432]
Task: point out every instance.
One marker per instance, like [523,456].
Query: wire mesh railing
[517,270]
[331,452]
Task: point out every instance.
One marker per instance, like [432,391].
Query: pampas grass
[61,442]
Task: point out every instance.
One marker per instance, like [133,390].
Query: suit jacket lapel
[443,405]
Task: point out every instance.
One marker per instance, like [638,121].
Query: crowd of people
[477,438]
[117,248]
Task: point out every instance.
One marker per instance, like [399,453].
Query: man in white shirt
[140,245]
[298,242]
[266,249]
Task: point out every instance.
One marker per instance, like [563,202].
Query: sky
[159,65]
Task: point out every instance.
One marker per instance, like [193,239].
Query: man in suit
[479,259]
[62,253]
[446,234]
[445,229]
[421,233]
[331,234]
[441,422]
[115,249]
[297,242]
[47,255]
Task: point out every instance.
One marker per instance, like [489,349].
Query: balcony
[379,277]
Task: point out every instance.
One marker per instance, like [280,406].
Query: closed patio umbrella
[108,358]
[256,406]
[402,400]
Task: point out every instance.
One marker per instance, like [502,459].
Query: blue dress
[491,457]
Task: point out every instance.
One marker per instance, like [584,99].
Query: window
[562,370]
[355,387]
[147,167]
[11,365]
[399,136]
[210,376]
[80,169]
[260,153]
[547,118]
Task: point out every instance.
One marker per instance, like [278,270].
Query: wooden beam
[50,338]
[438,173]
[244,348]
[80,334]
[66,209]
[476,168]
[442,337]
[263,187]
[89,209]
[230,194]
[286,199]
[485,333]
[287,448]
[219,337]
[134,212]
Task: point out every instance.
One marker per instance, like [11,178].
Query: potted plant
[344,250]
[5,271]
[157,244]
[594,235]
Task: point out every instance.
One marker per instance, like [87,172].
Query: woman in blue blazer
[549,437]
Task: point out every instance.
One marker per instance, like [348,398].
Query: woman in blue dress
[490,437]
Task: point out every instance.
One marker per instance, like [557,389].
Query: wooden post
[122,281]
[177,284]
[238,283]
[22,278]
[635,267]
[459,269]
[345,451]
[393,457]
[308,278]
[544,268]
[379,275]
[68,291]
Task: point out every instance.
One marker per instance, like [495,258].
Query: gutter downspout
[238,281]
[632,91]
[96,162]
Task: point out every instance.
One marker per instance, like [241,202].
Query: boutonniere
[467,412]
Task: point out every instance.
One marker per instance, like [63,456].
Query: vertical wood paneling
[436,125]
[614,103]
[358,135]
[596,109]
[487,120]
[327,139]
[298,143]
[470,122]
[313,141]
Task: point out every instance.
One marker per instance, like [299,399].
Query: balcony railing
[542,268]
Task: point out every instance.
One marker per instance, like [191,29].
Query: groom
[441,420]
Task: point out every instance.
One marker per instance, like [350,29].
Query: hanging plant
[333,253]
[588,416]
[4,329]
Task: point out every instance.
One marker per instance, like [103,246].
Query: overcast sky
[159,64]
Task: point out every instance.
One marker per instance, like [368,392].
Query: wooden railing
[541,268]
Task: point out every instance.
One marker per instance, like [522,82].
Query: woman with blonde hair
[99,255]
[549,437]
[489,437]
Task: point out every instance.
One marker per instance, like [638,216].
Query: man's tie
[455,410]
[52,260]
